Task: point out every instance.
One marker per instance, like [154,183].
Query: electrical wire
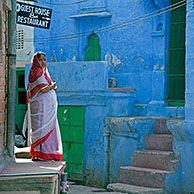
[127,21]
[110,27]
[77,2]
[145,18]
[115,26]
[31,1]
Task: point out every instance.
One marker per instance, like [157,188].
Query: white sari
[45,135]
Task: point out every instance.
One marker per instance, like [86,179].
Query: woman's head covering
[36,71]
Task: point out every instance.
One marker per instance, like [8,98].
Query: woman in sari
[45,135]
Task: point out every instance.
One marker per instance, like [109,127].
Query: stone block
[160,127]
[158,142]
[152,159]
[142,177]
[46,184]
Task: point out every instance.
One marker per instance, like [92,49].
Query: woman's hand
[48,88]
[55,88]
[53,85]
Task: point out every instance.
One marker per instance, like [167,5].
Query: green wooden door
[72,123]
[176,69]
[20,98]
[93,52]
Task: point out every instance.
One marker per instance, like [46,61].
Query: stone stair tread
[160,135]
[132,189]
[151,170]
[161,142]
[154,152]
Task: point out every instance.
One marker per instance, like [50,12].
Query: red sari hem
[47,156]
[42,155]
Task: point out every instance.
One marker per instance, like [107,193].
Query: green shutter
[176,65]
[93,52]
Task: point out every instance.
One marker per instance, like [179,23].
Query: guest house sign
[32,15]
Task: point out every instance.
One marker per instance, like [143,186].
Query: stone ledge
[19,192]
[124,90]
[125,188]
[25,175]
[29,167]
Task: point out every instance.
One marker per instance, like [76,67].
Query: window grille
[20,39]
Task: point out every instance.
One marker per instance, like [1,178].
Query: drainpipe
[107,154]
[11,79]
[106,158]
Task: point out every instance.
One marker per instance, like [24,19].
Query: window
[20,39]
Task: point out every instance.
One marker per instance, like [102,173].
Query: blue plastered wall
[135,53]
[136,50]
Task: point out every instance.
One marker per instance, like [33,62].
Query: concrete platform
[27,166]
[27,176]
[19,192]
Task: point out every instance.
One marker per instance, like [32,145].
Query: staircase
[150,166]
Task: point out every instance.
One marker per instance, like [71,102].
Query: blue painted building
[133,39]
[148,50]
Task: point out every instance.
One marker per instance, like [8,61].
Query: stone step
[158,142]
[44,184]
[152,159]
[160,126]
[25,175]
[143,176]
[132,189]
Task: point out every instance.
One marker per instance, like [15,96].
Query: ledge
[158,33]
[124,90]
[27,167]
[92,14]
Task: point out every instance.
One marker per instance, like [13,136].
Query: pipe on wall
[11,54]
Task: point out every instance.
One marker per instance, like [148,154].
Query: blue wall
[136,54]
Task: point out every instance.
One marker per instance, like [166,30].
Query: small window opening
[20,39]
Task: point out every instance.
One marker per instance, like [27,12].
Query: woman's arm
[48,88]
